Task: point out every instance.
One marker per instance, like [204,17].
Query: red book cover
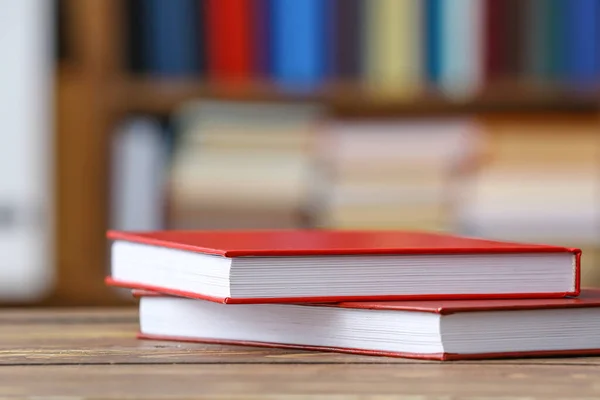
[326,242]
[277,246]
[589,298]
[229,34]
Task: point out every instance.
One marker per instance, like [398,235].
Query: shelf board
[147,95]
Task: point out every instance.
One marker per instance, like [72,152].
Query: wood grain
[346,381]
[93,353]
[107,336]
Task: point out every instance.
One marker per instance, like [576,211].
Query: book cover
[266,266]
[538,324]
[325,242]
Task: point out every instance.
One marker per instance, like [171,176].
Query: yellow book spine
[393,50]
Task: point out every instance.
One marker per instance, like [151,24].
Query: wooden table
[87,353]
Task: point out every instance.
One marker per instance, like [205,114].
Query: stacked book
[243,165]
[537,185]
[394,293]
[395,174]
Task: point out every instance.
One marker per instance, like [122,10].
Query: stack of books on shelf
[540,182]
[243,165]
[395,174]
[387,293]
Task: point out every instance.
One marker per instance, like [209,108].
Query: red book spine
[229,39]
[496,45]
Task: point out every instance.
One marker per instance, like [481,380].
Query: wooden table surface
[93,353]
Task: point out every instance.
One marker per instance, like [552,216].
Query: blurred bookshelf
[100,97]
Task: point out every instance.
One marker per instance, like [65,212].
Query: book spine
[496,43]
[201,37]
[393,47]
[135,20]
[462,47]
[171,36]
[347,21]
[556,39]
[432,42]
[536,40]
[139,159]
[298,45]
[514,39]
[582,34]
[261,30]
[229,41]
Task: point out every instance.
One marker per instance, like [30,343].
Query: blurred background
[475,117]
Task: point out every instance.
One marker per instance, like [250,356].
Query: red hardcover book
[282,266]
[229,39]
[437,330]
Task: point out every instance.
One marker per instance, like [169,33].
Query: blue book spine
[172,33]
[263,31]
[557,39]
[582,40]
[298,43]
[432,40]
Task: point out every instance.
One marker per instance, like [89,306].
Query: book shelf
[94,92]
[161,96]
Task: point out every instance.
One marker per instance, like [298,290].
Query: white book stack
[541,184]
[243,165]
[395,174]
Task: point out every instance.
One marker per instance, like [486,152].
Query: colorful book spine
[229,39]
[496,44]
[392,47]
[582,36]
[557,43]
[346,43]
[462,47]
[261,33]
[537,64]
[346,20]
[432,32]
[298,43]
[515,28]
[171,37]
[135,25]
